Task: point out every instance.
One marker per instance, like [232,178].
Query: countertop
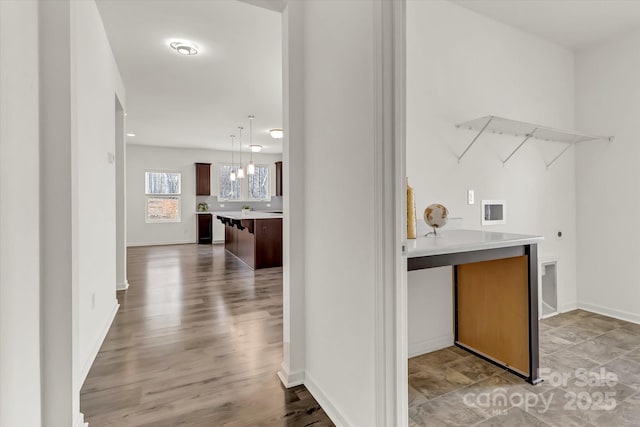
[454,241]
[237,215]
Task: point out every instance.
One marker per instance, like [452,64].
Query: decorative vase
[411,213]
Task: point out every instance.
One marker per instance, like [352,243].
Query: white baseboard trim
[122,286]
[80,422]
[328,407]
[432,344]
[290,379]
[611,312]
[97,344]
[570,306]
[177,242]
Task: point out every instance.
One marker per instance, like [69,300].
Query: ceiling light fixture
[131,134]
[240,170]
[251,167]
[276,133]
[232,175]
[184,48]
[255,148]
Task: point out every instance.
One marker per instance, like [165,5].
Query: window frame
[224,199]
[148,196]
[268,197]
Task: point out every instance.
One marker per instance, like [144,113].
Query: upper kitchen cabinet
[279,179]
[203,179]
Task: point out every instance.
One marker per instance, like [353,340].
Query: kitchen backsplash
[215,205]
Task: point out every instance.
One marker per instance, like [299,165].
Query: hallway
[197,342]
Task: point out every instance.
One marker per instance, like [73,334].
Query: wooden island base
[256,241]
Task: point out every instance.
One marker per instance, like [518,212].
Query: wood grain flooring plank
[197,342]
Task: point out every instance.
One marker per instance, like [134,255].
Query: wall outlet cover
[471,197]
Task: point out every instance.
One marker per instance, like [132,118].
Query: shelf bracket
[475,139]
[569,145]
[527,136]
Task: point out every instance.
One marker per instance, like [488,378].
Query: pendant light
[251,168]
[232,175]
[240,170]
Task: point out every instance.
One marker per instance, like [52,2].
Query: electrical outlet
[222,205]
[268,205]
[471,197]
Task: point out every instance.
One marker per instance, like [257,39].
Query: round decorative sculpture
[436,216]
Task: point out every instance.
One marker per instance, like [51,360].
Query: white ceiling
[198,101]
[574,24]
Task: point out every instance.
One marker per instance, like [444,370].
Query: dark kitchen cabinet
[203,179]
[205,229]
[279,179]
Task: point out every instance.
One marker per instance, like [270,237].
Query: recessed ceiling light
[131,134]
[276,133]
[256,148]
[184,47]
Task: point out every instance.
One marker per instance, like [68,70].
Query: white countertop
[251,215]
[454,241]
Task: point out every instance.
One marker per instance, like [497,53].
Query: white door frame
[122,284]
[293,239]
[390,215]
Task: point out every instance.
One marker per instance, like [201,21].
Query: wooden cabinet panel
[493,310]
[246,247]
[203,179]
[278,179]
[230,240]
[268,234]
[205,228]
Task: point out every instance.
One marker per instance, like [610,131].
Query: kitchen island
[255,238]
[495,281]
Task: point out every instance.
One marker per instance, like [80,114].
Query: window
[259,184]
[229,190]
[163,196]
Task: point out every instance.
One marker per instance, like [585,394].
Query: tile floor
[592,379]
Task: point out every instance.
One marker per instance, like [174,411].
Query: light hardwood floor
[197,342]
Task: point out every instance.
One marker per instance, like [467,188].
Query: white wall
[460,66]
[292,369]
[608,103]
[19,216]
[339,121]
[97,82]
[148,158]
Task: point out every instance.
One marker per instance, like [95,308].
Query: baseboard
[427,346]
[177,242]
[290,379]
[328,407]
[122,286]
[611,312]
[80,422]
[570,306]
[97,345]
